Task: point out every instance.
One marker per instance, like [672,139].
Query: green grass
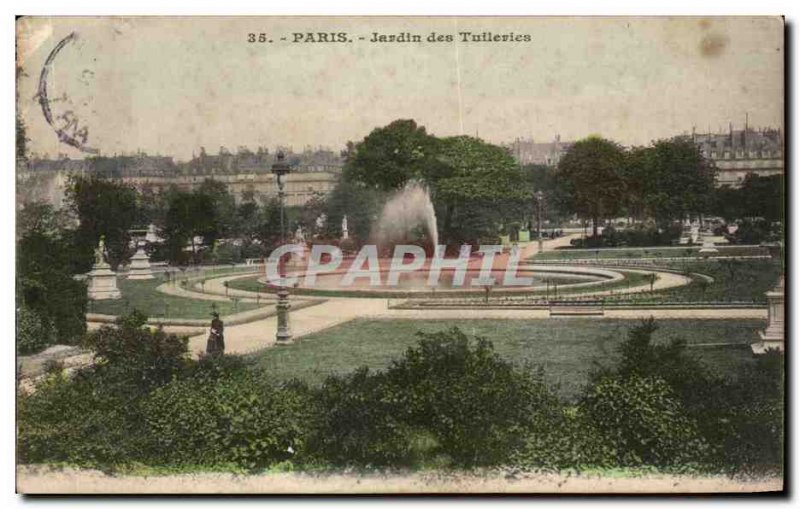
[734,281]
[646,252]
[249,284]
[143,296]
[566,350]
[252,284]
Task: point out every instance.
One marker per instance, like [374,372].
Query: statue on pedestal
[299,236]
[140,264]
[708,244]
[100,252]
[345,233]
[102,281]
[772,338]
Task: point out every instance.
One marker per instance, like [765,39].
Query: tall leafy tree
[268,224]
[360,203]
[677,181]
[103,208]
[46,292]
[190,217]
[636,172]
[390,156]
[224,205]
[762,197]
[590,177]
[477,188]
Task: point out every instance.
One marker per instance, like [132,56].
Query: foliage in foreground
[51,304]
[449,401]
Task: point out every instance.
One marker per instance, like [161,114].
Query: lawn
[143,296]
[646,252]
[734,281]
[631,279]
[566,350]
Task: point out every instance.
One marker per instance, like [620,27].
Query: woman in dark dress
[216,338]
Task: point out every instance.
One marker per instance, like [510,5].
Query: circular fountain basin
[417,282]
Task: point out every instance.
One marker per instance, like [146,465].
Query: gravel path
[32,479]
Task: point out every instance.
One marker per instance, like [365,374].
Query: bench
[576,308]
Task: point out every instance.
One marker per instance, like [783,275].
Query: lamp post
[284,335]
[539,199]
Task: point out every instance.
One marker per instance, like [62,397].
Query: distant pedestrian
[216,338]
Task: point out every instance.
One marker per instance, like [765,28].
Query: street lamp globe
[280,168]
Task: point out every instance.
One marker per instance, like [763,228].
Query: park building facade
[246,175]
[738,153]
[527,151]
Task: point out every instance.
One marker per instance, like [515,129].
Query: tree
[189,215]
[223,203]
[268,225]
[635,174]
[22,138]
[544,178]
[152,207]
[310,212]
[762,197]
[727,204]
[390,156]
[476,188]
[45,286]
[591,179]
[247,219]
[676,180]
[104,208]
[43,218]
[360,203]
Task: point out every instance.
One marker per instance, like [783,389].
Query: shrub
[740,419]
[449,399]
[35,331]
[756,232]
[635,236]
[643,421]
[476,405]
[743,418]
[222,416]
[94,418]
[569,442]
[359,421]
[75,421]
[130,354]
[45,285]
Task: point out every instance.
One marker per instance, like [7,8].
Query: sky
[171,85]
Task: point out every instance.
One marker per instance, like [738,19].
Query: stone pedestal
[283,336]
[772,338]
[708,245]
[103,283]
[140,266]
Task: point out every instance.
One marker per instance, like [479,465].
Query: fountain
[409,218]
[405,212]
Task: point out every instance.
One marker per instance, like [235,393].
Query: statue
[320,222]
[99,252]
[102,281]
[152,234]
[216,338]
[345,234]
[299,236]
